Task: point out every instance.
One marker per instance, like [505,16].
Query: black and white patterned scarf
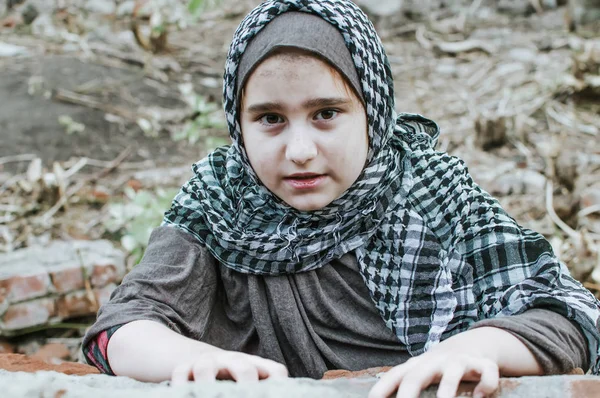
[436,252]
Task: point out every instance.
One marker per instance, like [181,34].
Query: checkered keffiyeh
[436,252]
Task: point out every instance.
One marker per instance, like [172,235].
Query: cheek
[357,144]
[261,156]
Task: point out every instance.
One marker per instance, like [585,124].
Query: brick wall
[44,285]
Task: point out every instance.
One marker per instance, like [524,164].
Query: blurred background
[104,106]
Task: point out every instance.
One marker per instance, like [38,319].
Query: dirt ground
[30,124]
[515,92]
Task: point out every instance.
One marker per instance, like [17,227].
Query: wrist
[503,348]
[479,342]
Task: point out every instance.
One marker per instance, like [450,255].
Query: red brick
[30,313]
[68,279]
[75,304]
[103,294]
[3,300]
[102,275]
[347,374]
[6,347]
[19,288]
[52,351]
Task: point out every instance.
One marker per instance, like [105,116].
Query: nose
[301,148]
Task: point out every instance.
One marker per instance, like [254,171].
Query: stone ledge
[52,385]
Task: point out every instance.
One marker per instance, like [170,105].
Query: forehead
[291,65]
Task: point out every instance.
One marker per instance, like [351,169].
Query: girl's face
[304,130]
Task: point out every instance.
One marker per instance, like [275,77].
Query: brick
[30,313]
[102,275]
[52,351]
[62,261]
[6,347]
[18,288]
[4,304]
[18,363]
[340,373]
[103,294]
[67,279]
[75,304]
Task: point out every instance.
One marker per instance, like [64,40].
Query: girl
[331,235]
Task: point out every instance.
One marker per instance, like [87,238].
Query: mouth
[304,181]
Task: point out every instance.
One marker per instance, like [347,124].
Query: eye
[326,114]
[270,119]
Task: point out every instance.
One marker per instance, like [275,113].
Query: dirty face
[304,129]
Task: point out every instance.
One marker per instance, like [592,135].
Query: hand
[438,366]
[228,365]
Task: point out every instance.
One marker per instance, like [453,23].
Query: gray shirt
[311,322]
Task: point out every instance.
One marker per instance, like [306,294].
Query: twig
[402,30]
[480,73]
[456,47]
[586,211]
[87,101]
[6,219]
[81,163]
[10,208]
[537,6]
[113,164]
[80,184]
[98,86]
[11,181]
[474,6]
[18,158]
[506,96]
[527,110]
[125,165]
[86,279]
[590,285]
[62,201]
[564,120]
[423,41]
[555,218]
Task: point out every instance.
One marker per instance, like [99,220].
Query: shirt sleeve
[509,269]
[175,284]
[557,343]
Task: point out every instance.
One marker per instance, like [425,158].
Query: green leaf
[194,6]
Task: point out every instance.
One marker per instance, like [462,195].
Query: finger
[205,370]
[181,374]
[268,369]
[241,371]
[451,378]
[390,381]
[417,380]
[490,379]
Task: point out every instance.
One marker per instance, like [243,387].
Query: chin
[306,204]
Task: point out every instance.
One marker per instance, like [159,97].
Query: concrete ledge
[57,385]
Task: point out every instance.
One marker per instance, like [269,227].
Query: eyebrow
[311,103]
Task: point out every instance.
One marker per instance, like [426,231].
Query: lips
[304,181]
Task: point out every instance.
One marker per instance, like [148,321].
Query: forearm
[149,351]
[507,351]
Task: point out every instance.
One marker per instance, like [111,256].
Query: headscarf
[436,252]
